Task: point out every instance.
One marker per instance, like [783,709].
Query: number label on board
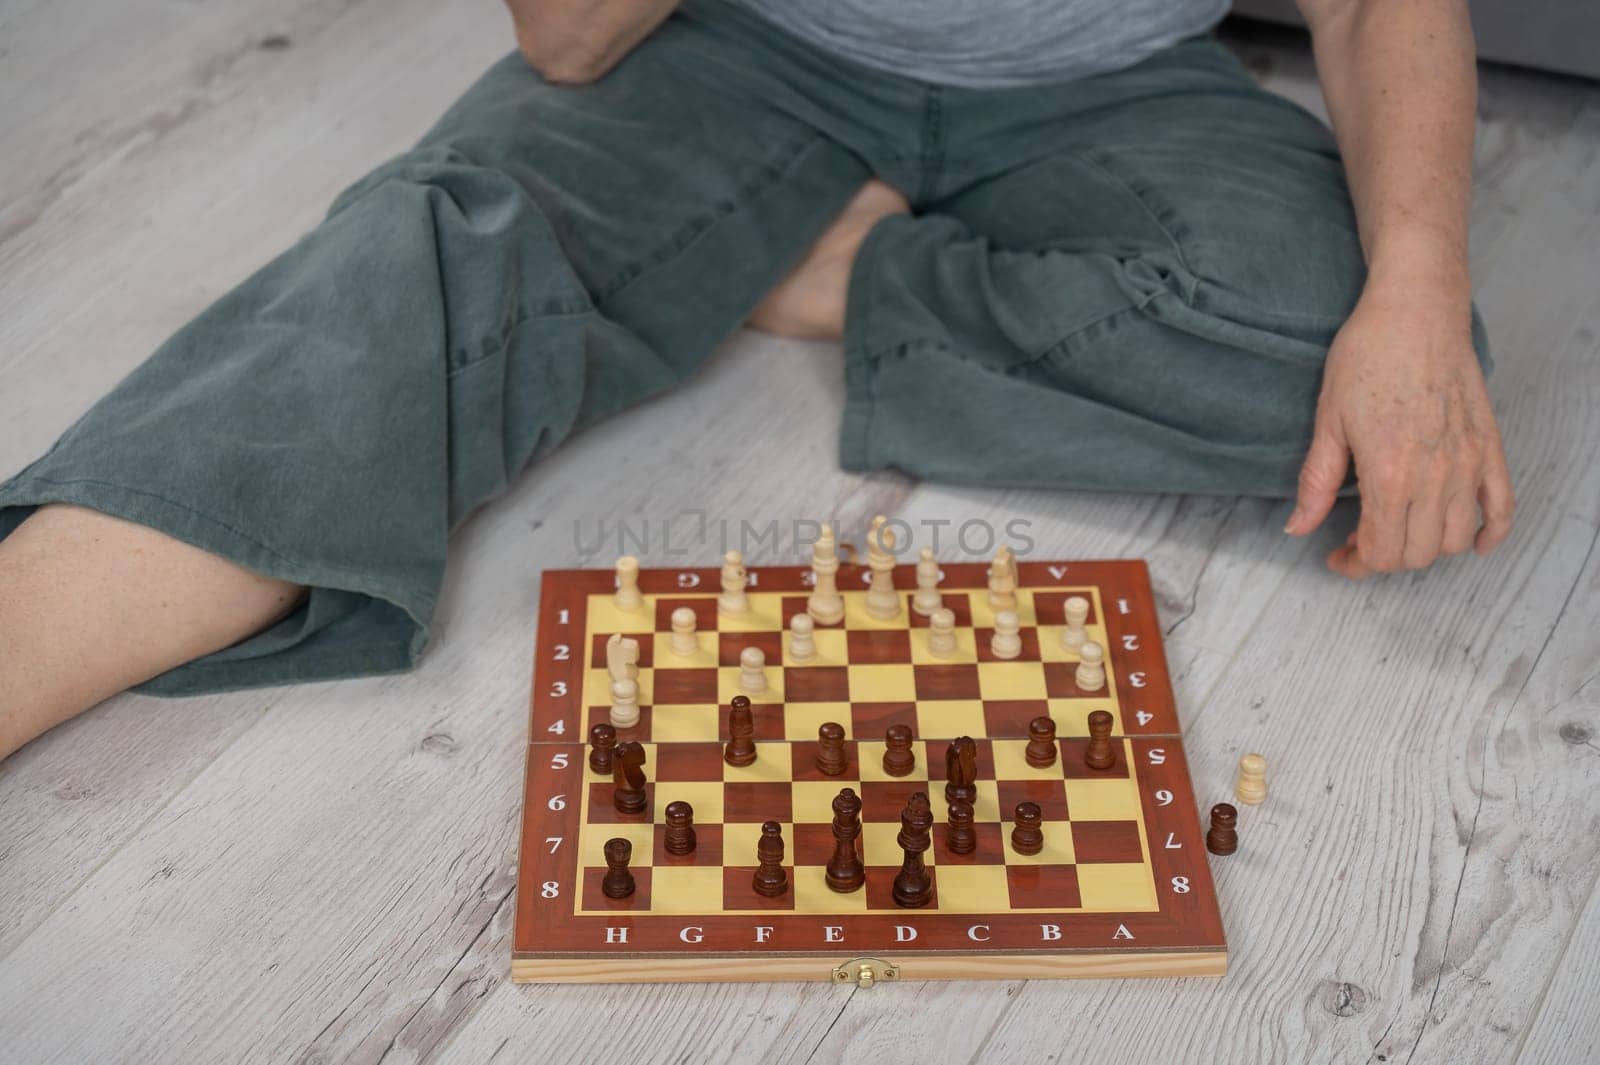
[1158,756]
[557,802]
[559,728]
[1136,680]
[1163,797]
[688,580]
[1130,642]
[563,616]
[555,842]
[549,889]
[558,760]
[1180,885]
[1144,717]
[558,689]
[563,652]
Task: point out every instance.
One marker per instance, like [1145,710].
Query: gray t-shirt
[994,43]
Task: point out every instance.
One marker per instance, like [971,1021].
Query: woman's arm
[1402,392]
[576,41]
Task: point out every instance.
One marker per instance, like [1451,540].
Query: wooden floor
[325,873]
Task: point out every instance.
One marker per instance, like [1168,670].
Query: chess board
[1121,887]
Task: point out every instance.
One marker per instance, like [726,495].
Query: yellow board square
[801,720]
[1116,886]
[1011,762]
[592,852]
[765,615]
[705,796]
[871,754]
[728,685]
[1011,680]
[983,614]
[604,616]
[856,616]
[973,889]
[966,651]
[597,687]
[813,799]
[684,889]
[704,658]
[878,846]
[739,840]
[1072,715]
[882,684]
[774,762]
[1057,846]
[684,724]
[813,895]
[832,649]
[986,808]
[1102,800]
[945,719]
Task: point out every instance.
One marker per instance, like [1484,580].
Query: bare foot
[809,303]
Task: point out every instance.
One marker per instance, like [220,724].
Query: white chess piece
[927,598]
[624,702]
[1251,787]
[733,600]
[684,640]
[1091,673]
[942,633]
[1003,580]
[752,671]
[825,604]
[1007,640]
[627,596]
[883,602]
[802,644]
[1076,610]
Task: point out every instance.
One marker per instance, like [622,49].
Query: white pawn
[927,598]
[1091,674]
[802,644]
[825,604]
[624,702]
[684,640]
[1003,580]
[628,597]
[752,671]
[883,602]
[1076,609]
[1007,640]
[942,633]
[1251,787]
[733,600]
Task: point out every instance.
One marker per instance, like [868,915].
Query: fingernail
[1293,519]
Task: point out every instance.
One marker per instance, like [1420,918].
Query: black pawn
[618,882]
[898,758]
[741,749]
[1028,837]
[602,741]
[959,835]
[1224,835]
[831,759]
[1041,750]
[678,837]
[1100,754]
[771,879]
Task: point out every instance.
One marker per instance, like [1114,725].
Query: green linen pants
[1127,282]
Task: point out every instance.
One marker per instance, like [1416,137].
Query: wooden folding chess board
[1121,888]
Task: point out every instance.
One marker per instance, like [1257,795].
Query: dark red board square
[990,851]
[1037,887]
[880,889]
[602,812]
[1059,683]
[707,848]
[757,801]
[796,604]
[730,645]
[687,761]
[705,613]
[679,687]
[595,899]
[768,719]
[813,844]
[601,715]
[1073,767]
[883,800]
[1049,608]
[947,682]
[1010,717]
[739,893]
[1106,841]
[1030,645]
[869,721]
[1050,795]
[647,648]
[804,767]
[938,760]
[878,647]
[955,602]
[816,684]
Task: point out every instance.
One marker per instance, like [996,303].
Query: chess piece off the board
[1223,836]
[1251,787]
[845,871]
[825,604]
[913,887]
[883,602]
[927,598]
[771,879]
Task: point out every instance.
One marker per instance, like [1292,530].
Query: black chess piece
[678,837]
[913,886]
[1100,754]
[1027,837]
[845,870]
[898,757]
[1041,750]
[961,770]
[831,758]
[628,793]
[960,837]
[618,881]
[602,744]
[741,748]
[771,879]
[1224,835]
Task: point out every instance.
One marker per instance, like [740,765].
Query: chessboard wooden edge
[711,968]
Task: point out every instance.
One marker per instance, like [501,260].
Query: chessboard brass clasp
[864,972]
